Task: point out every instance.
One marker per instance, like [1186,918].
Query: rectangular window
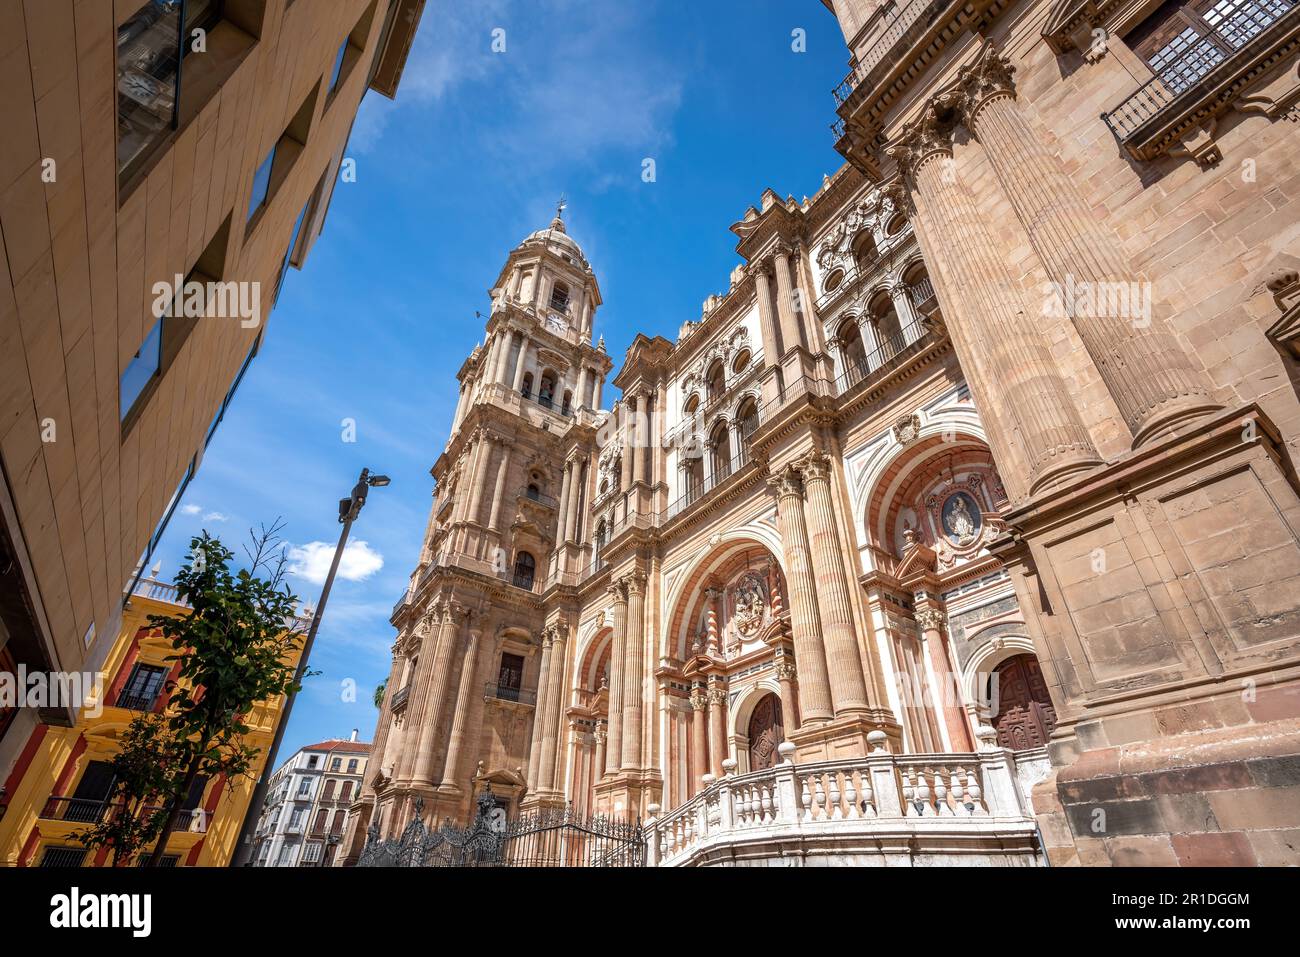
[261,184]
[63,857]
[140,372]
[312,760]
[140,693]
[510,677]
[230,395]
[336,763]
[352,766]
[338,65]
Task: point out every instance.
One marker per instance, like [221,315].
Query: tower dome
[557,236]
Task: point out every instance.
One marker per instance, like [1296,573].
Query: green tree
[147,769]
[379,693]
[235,648]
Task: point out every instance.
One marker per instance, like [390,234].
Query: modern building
[307,804]
[63,781]
[157,179]
[967,510]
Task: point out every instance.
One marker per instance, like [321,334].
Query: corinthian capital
[634,583]
[816,467]
[785,482]
[616,592]
[930,619]
[929,135]
[989,77]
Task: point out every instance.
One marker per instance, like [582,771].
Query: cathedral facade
[962,526]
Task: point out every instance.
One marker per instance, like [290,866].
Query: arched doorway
[766,731]
[1025,717]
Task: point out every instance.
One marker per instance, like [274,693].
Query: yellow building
[62,782]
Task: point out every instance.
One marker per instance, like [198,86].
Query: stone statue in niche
[960,518]
[749,604]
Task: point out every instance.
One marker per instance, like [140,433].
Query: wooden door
[1025,715]
[765,733]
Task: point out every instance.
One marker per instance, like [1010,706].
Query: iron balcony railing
[533,495]
[1193,61]
[136,702]
[699,486]
[399,698]
[80,810]
[859,368]
[910,22]
[506,693]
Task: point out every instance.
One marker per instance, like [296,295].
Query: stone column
[636,437]
[460,405]
[790,337]
[617,651]
[499,492]
[766,317]
[848,686]
[521,364]
[581,399]
[554,707]
[931,623]
[516,278]
[482,456]
[404,766]
[633,679]
[585,326]
[805,619]
[460,721]
[1055,443]
[785,674]
[908,318]
[575,496]
[595,402]
[699,765]
[439,689]
[627,468]
[502,357]
[1149,375]
[600,734]
[717,725]
[539,710]
[566,490]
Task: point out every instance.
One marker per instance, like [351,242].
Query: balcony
[883,357]
[1200,76]
[136,702]
[531,494]
[918,810]
[506,693]
[79,810]
[399,699]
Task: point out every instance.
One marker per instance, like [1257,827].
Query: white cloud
[215,517]
[311,562]
[191,509]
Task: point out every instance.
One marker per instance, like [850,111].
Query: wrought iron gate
[551,837]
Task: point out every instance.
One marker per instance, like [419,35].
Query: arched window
[526,390]
[534,492]
[741,363]
[746,422]
[560,297]
[546,391]
[717,380]
[720,444]
[525,568]
[852,352]
[920,290]
[885,319]
[693,478]
[602,535]
[692,405]
[864,250]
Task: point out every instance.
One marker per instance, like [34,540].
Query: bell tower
[507,523]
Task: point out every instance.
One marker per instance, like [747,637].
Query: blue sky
[470,159]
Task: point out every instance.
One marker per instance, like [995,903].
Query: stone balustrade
[879,809]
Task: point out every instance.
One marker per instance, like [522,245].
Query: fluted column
[766,317]
[646,407]
[499,491]
[907,314]
[636,437]
[539,710]
[633,680]
[595,401]
[502,357]
[699,764]
[581,399]
[848,686]
[439,688]
[554,700]
[600,734]
[785,674]
[626,463]
[460,722]
[405,762]
[566,489]
[1055,442]
[1150,377]
[805,619]
[932,623]
[785,300]
[619,641]
[521,364]
[717,724]
[575,496]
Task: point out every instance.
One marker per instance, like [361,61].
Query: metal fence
[552,837]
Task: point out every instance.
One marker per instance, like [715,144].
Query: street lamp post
[349,509]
